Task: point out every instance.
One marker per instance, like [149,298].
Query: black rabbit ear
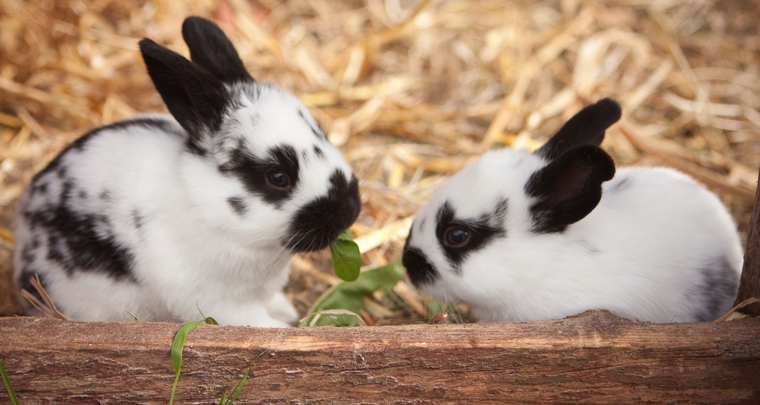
[585,128]
[568,188]
[211,49]
[195,98]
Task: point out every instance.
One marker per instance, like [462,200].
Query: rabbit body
[656,246]
[150,217]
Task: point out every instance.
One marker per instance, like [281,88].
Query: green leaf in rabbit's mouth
[346,257]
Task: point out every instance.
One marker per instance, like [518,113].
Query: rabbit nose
[418,267]
[319,223]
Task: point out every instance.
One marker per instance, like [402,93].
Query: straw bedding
[410,90]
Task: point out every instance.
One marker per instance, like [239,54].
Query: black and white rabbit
[531,236]
[148,217]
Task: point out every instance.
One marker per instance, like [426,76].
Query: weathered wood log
[749,286]
[594,357]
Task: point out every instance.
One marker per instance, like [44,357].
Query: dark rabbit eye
[278,180]
[456,236]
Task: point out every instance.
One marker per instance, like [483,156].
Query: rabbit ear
[211,49]
[585,128]
[568,188]
[195,98]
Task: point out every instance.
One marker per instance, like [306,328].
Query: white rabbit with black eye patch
[531,236]
[150,216]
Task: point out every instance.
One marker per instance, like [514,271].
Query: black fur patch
[105,195]
[588,247]
[39,188]
[483,231]
[318,151]
[319,223]
[137,219]
[619,186]
[718,291]
[568,188]
[318,132]
[237,205]
[79,241]
[585,128]
[252,171]
[418,268]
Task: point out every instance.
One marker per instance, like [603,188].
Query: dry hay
[411,91]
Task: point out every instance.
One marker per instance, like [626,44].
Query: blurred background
[410,90]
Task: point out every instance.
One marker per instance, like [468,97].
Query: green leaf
[346,257]
[177,345]
[349,295]
[8,386]
[334,317]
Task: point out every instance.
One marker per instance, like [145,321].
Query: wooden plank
[749,286]
[594,357]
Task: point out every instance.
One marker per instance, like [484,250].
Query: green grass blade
[239,386]
[9,387]
[177,345]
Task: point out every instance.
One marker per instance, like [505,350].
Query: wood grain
[591,358]
[749,286]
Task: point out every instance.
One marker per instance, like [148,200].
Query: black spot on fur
[319,223]
[418,268]
[718,290]
[39,188]
[137,219]
[79,241]
[318,151]
[588,246]
[82,194]
[237,205]
[252,171]
[568,188]
[105,195]
[618,186]
[318,132]
[483,231]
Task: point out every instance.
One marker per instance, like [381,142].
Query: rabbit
[158,216]
[526,236]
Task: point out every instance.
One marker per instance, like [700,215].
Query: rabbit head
[487,227]
[258,166]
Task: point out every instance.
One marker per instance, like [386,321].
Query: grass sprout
[239,387]
[8,386]
[179,343]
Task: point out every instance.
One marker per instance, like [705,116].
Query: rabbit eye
[278,180]
[456,236]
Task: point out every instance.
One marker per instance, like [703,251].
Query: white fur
[640,253]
